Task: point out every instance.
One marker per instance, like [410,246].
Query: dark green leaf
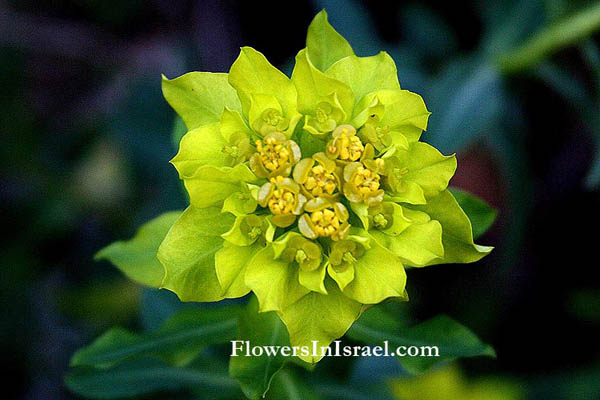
[482,216]
[179,339]
[451,338]
[143,376]
[259,329]
[466,100]
[288,385]
[178,131]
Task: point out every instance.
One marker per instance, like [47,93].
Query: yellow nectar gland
[325,221]
[349,145]
[282,201]
[273,154]
[365,180]
[320,181]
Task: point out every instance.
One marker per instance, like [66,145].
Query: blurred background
[87,139]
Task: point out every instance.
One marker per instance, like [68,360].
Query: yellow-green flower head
[345,145]
[318,176]
[362,182]
[367,199]
[326,219]
[275,155]
[283,198]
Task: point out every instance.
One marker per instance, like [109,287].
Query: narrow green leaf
[451,338]
[136,257]
[466,99]
[325,45]
[143,376]
[179,339]
[481,214]
[255,373]
[551,39]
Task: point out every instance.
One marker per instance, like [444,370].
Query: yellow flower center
[273,154]
[365,180]
[350,147]
[325,221]
[282,201]
[320,181]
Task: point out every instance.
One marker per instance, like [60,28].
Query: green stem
[551,39]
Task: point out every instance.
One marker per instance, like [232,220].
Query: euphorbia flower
[316,238]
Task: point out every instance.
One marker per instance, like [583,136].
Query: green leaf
[231,262]
[177,131]
[251,73]
[136,257]
[417,245]
[325,45]
[274,282]
[313,280]
[365,75]
[550,39]
[404,112]
[481,215]
[200,146]
[378,274]
[211,185]
[468,99]
[310,144]
[200,97]
[342,278]
[143,376]
[319,317]
[457,234]
[315,87]
[426,167]
[242,202]
[188,254]
[288,385]
[255,373]
[451,338]
[411,193]
[179,339]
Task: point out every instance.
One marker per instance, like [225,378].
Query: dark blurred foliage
[86,145]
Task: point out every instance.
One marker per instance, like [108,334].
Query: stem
[550,40]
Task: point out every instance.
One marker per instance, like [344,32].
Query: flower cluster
[313,192]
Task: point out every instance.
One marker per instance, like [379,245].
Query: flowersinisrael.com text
[243,348]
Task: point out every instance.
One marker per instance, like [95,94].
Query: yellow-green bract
[314,192]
